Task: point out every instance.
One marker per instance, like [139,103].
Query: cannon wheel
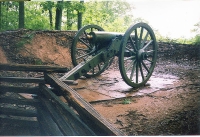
[82,48]
[138,54]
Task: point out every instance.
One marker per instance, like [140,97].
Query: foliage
[197,28]
[196,39]
[9,11]
[111,15]
[35,17]
[192,41]
[126,101]
[38,62]
[27,38]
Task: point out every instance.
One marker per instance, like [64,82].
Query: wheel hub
[141,55]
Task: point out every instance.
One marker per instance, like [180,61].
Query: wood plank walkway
[45,113]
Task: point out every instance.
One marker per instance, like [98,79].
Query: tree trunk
[79,19]
[80,14]
[50,18]
[6,19]
[69,16]
[21,14]
[0,17]
[58,15]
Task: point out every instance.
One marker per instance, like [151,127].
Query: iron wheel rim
[78,55]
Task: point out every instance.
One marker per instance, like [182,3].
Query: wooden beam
[31,90]
[88,114]
[47,125]
[18,112]
[21,80]
[64,116]
[32,102]
[26,123]
[62,124]
[34,68]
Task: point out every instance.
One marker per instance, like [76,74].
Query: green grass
[192,41]
[126,101]
[26,39]
[38,62]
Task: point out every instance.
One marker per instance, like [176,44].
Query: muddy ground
[170,105]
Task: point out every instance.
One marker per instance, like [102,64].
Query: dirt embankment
[53,47]
[36,47]
[171,110]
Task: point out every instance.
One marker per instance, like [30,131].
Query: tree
[59,9]
[49,6]
[9,15]
[69,11]
[111,15]
[0,17]
[21,14]
[35,17]
[196,39]
[80,14]
[49,15]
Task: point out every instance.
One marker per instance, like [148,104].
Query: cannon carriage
[93,50]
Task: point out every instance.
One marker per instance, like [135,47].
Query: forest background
[65,15]
[113,15]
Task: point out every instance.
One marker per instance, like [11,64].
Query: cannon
[94,49]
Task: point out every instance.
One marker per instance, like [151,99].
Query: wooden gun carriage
[93,50]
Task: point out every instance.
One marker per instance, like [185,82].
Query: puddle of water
[162,81]
[110,85]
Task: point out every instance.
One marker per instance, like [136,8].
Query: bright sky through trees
[172,18]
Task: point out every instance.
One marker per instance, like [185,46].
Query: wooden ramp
[44,112]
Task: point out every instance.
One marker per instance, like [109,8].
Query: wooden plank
[26,123]
[64,116]
[32,102]
[47,125]
[65,128]
[18,112]
[93,119]
[29,90]
[21,80]
[34,68]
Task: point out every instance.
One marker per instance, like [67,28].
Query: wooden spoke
[82,41]
[147,44]
[132,43]
[136,40]
[144,65]
[141,71]
[133,69]
[130,65]
[141,34]
[145,39]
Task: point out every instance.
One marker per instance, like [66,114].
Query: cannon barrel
[102,36]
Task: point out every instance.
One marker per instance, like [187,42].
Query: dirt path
[169,106]
[168,111]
